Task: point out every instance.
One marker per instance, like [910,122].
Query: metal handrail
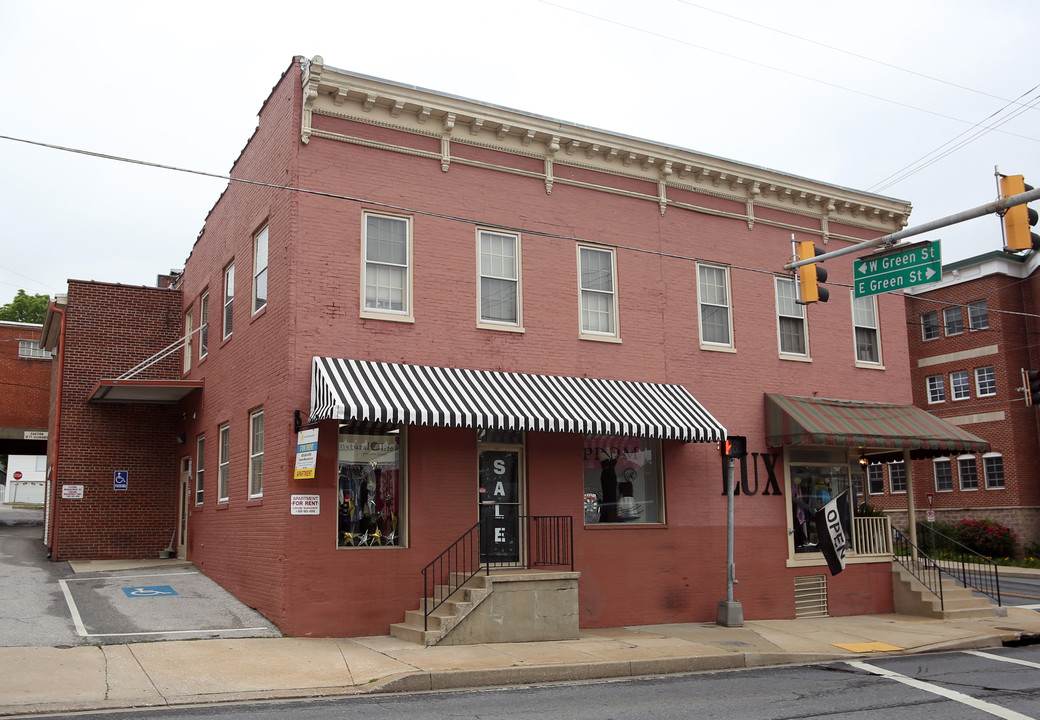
[970,568]
[549,542]
[917,563]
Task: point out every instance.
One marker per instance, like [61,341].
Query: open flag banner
[832,531]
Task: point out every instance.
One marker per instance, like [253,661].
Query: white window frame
[965,461]
[934,333]
[256,454]
[32,350]
[865,318]
[991,484]
[960,385]
[788,308]
[978,315]
[718,299]
[587,293]
[991,384]
[949,472]
[200,458]
[875,473]
[371,269]
[487,271]
[957,325]
[204,325]
[224,463]
[189,329]
[229,301]
[260,253]
[896,468]
[935,386]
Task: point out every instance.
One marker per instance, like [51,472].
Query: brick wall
[25,381]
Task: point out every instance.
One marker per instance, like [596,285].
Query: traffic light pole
[889,240]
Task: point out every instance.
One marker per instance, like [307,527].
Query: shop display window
[623,480]
[369,489]
[816,479]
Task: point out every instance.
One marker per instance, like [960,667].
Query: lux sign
[769,465]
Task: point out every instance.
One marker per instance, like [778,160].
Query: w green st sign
[918,265]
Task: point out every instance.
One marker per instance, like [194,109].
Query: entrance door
[182,509]
[501,498]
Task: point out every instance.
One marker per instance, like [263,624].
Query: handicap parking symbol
[120,479]
[149,591]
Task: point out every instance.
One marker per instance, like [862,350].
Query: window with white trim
[968,471]
[960,385]
[260,270]
[943,474]
[936,389]
[204,325]
[897,477]
[876,479]
[985,381]
[224,464]
[716,318]
[930,325]
[865,322]
[790,319]
[499,269]
[229,299]
[953,320]
[597,286]
[993,468]
[189,328]
[256,454]
[978,315]
[200,467]
[386,269]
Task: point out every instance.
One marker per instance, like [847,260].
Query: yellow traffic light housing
[1018,219]
[809,276]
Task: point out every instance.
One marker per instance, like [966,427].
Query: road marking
[80,628]
[987,707]
[1002,658]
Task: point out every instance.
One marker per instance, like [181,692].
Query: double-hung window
[499,278]
[978,315]
[953,320]
[993,467]
[876,479]
[897,477]
[985,381]
[204,325]
[200,466]
[930,325]
[224,464]
[260,270]
[960,385]
[713,297]
[189,334]
[597,285]
[936,389]
[943,474]
[790,319]
[387,272]
[865,321]
[256,454]
[968,471]
[229,299]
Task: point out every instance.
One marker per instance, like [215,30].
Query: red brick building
[970,336]
[479,316]
[25,374]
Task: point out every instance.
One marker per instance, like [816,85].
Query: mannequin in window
[609,484]
[627,510]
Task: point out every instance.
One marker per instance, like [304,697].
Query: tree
[25,308]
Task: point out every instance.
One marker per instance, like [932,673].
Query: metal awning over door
[454,397]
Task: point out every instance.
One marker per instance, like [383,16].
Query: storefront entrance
[500,493]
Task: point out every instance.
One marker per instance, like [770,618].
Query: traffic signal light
[811,275]
[1019,219]
[1031,386]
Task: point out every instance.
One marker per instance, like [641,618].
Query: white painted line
[174,632]
[987,707]
[1026,607]
[131,577]
[1002,658]
[80,628]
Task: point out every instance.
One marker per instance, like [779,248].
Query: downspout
[57,431]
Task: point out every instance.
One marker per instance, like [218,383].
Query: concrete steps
[911,597]
[447,615]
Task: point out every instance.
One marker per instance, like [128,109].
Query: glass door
[501,497]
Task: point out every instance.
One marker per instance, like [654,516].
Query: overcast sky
[855,93]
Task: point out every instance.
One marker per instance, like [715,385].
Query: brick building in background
[25,376]
[485,318]
[969,338]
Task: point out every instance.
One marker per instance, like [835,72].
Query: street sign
[120,479]
[918,265]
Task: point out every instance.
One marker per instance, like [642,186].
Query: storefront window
[369,493]
[816,479]
[623,480]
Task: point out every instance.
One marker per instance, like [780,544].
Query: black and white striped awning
[451,397]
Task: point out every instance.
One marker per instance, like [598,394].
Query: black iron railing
[918,563]
[968,567]
[546,541]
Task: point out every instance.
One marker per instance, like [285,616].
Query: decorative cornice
[333,92]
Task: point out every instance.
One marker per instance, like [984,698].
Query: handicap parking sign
[149,591]
[121,480]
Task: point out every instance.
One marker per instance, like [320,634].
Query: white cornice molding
[337,93]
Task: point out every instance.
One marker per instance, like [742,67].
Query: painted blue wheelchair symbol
[150,591]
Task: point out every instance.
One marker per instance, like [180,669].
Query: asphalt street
[46,604]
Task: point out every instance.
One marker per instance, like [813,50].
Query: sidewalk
[47,679]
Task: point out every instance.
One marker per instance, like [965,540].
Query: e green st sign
[919,265]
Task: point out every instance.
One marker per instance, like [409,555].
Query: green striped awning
[847,423]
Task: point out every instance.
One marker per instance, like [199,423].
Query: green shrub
[987,537]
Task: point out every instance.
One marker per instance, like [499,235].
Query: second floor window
[260,270]
[387,274]
[936,389]
[713,296]
[200,465]
[985,381]
[189,334]
[204,326]
[978,315]
[960,385]
[224,464]
[930,325]
[953,320]
[30,349]
[256,454]
[864,318]
[598,293]
[229,299]
[499,278]
[790,318]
